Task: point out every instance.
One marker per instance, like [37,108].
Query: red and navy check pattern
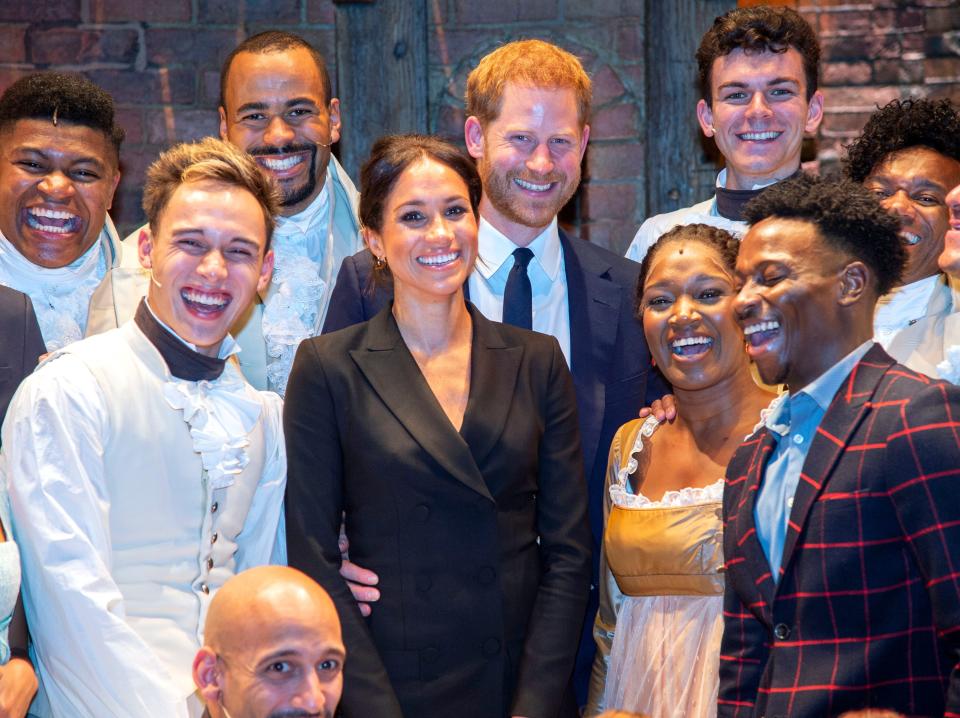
[867,609]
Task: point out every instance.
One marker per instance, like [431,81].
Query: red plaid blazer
[867,609]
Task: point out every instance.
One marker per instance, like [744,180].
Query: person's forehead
[748,67]
[66,139]
[779,239]
[273,75]
[920,164]
[215,206]
[556,105]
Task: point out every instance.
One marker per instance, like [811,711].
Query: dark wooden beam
[679,170]
[381,73]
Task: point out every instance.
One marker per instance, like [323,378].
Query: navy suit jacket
[866,612]
[610,361]
[22,344]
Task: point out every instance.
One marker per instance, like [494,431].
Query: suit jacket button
[781,631]
[430,655]
[491,647]
[421,513]
[486,575]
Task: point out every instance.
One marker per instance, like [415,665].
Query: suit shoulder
[11,300]
[619,268]
[337,342]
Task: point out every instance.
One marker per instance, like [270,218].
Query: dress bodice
[669,547]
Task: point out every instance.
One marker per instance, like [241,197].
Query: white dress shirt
[548,280]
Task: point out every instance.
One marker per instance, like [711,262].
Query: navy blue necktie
[518,296]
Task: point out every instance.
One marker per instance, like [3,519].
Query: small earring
[380,263]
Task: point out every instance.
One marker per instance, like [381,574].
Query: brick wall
[160,60]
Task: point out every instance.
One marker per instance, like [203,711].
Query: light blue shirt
[793,420]
[548,280]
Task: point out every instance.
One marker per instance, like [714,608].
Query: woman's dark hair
[720,240]
[390,157]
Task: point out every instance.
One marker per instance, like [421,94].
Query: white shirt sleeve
[264,539]
[90,661]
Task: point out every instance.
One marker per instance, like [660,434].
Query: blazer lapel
[844,415]
[493,377]
[394,375]
[594,308]
[752,551]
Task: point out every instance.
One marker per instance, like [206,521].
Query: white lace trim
[687,496]
[221,416]
[292,304]
[949,368]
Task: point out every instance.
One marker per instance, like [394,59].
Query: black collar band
[182,361]
[730,202]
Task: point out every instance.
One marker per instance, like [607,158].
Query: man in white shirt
[272,647]
[758,69]
[528,103]
[908,155]
[59,159]
[143,471]
[276,104]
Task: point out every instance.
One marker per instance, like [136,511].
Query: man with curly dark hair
[908,155]
[841,523]
[59,168]
[758,70]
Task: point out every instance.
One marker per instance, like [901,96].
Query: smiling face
[290,662]
[428,234]
[56,185]
[950,259]
[276,111]
[207,261]
[913,185]
[528,159]
[688,317]
[759,114]
[789,302]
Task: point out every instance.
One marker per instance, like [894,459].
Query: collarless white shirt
[548,280]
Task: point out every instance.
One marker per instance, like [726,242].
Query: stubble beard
[503,194]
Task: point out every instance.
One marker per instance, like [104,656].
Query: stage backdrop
[400,65]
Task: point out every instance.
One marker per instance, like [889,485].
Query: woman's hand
[18,684]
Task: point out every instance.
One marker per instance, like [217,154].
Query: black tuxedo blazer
[867,609]
[480,537]
[22,344]
[610,361]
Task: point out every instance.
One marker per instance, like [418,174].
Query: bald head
[272,647]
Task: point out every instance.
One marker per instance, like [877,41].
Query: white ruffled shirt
[60,296]
[117,615]
[295,301]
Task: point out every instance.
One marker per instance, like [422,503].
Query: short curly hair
[759,29]
[899,125]
[847,215]
[720,240]
[60,96]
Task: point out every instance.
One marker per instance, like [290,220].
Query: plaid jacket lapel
[844,415]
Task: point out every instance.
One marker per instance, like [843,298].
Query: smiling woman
[659,625]
[450,444]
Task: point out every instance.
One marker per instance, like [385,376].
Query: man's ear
[854,283]
[144,247]
[207,676]
[473,136]
[266,271]
[223,122]
[814,113]
[705,118]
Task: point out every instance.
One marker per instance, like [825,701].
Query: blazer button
[781,631]
[423,583]
[430,655]
[491,647]
[421,513]
[486,575]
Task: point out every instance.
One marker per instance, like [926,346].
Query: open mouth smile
[691,346]
[206,304]
[533,186]
[765,136]
[439,260]
[52,221]
[760,333]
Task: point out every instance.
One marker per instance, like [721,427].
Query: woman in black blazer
[449,444]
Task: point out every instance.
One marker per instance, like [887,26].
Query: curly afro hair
[757,29]
[60,96]
[848,217]
[899,125]
[723,243]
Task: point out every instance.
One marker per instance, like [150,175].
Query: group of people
[423,398]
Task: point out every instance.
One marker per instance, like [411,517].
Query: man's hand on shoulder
[664,408]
